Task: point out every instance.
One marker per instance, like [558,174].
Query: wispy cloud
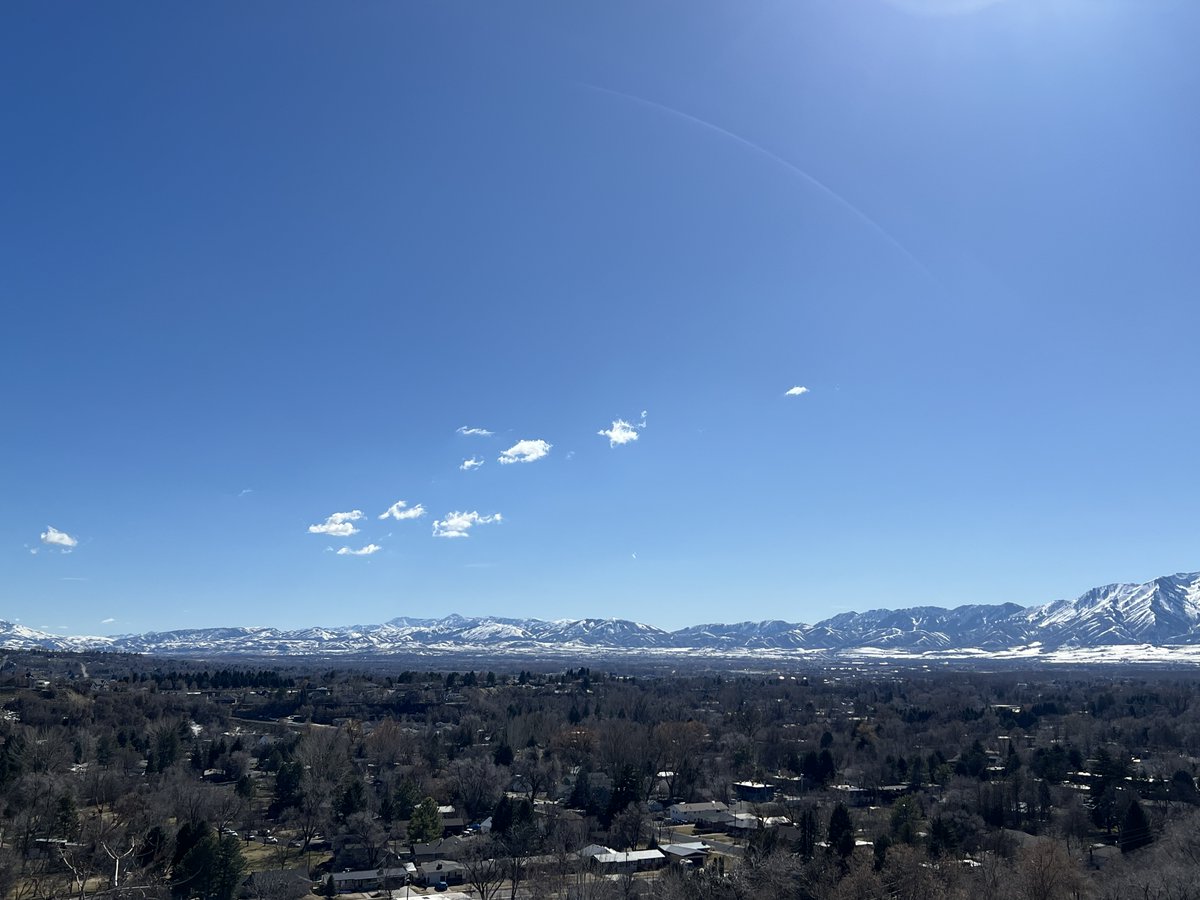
[361,551]
[400,511]
[525,452]
[52,537]
[795,391]
[480,432]
[107,621]
[459,524]
[338,524]
[473,463]
[244,491]
[623,432]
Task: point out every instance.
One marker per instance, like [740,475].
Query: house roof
[707,806]
[696,848]
[628,857]
[367,874]
[595,850]
[439,865]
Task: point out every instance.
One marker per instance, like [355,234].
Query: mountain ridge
[1164,612]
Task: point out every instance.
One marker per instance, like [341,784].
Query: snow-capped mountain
[1163,613]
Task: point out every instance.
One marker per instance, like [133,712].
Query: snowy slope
[1161,613]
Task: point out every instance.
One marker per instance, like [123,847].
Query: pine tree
[1135,828]
[841,831]
[426,822]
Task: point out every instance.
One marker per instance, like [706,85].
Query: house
[631,861]
[744,822]
[453,821]
[754,791]
[440,871]
[448,847]
[278,883]
[694,853]
[713,812]
[369,879]
[593,850]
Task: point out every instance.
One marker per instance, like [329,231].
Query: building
[754,791]
[440,871]
[693,853]
[631,861]
[712,812]
[370,879]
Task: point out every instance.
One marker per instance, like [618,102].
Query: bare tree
[483,868]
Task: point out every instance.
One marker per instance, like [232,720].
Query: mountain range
[1127,621]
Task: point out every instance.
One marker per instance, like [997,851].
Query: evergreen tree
[882,844]
[287,783]
[807,843]
[406,797]
[353,800]
[1135,828]
[502,816]
[228,871]
[581,794]
[1183,788]
[841,831]
[426,822]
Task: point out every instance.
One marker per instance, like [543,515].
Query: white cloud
[473,463]
[55,538]
[623,432]
[525,451]
[362,551]
[244,491]
[338,524]
[459,524]
[107,621]
[796,391]
[401,511]
[480,432]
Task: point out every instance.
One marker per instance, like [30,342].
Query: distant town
[129,776]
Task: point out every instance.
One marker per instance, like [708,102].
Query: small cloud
[54,538]
[338,524]
[244,491]
[107,621]
[795,391]
[525,452]
[479,432]
[401,511]
[634,555]
[362,551]
[72,578]
[623,432]
[459,524]
[473,463]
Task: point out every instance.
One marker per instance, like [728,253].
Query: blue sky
[260,262]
